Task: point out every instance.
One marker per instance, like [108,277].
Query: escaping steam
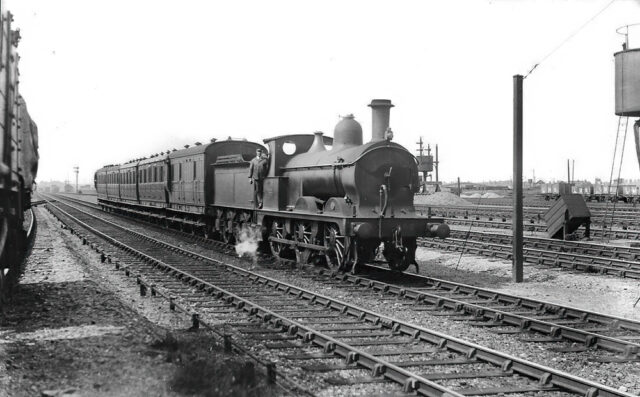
[247,243]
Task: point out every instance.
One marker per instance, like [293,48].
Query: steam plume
[247,243]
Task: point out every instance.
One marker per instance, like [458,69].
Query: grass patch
[204,369]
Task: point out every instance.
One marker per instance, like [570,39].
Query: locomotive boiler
[334,201]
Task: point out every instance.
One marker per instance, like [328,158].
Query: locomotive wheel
[305,233]
[336,247]
[277,231]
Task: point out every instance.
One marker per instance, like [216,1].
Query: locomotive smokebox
[380,110]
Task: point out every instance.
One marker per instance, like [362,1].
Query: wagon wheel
[305,232]
[336,247]
[277,231]
[227,236]
[210,233]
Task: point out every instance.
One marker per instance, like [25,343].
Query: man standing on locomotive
[257,173]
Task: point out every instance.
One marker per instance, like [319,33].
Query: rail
[549,379]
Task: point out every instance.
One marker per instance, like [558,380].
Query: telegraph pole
[437,162]
[517,256]
[76,169]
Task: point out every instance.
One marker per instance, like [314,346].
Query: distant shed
[566,215]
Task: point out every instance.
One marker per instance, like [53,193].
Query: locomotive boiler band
[334,205]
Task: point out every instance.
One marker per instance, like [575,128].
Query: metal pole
[76,169]
[517,257]
[568,172]
[459,191]
[437,178]
[573,170]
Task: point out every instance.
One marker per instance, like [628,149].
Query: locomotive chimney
[380,110]
[318,144]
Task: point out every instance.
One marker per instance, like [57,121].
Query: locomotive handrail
[383,207]
[341,165]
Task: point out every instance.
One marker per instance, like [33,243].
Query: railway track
[629,218]
[607,233]
[620,335]
[427,299]
[626,253]
[532,217]
[568,260]
[543,204]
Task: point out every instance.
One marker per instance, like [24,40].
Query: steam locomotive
[334,201]
[18,155]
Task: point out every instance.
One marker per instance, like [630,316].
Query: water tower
[627,82]
[628,76]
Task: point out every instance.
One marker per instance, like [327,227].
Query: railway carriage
[326,200]
[112,182]
[152,181]
[128,182]
[18,156]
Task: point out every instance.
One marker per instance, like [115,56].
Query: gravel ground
[75,330]
[605,294]
[440,198]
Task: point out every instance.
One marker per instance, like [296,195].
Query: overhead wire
[572,35]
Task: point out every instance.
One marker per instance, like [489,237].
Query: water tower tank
[628,83]
[628,73]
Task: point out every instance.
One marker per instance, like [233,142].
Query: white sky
[108,81]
